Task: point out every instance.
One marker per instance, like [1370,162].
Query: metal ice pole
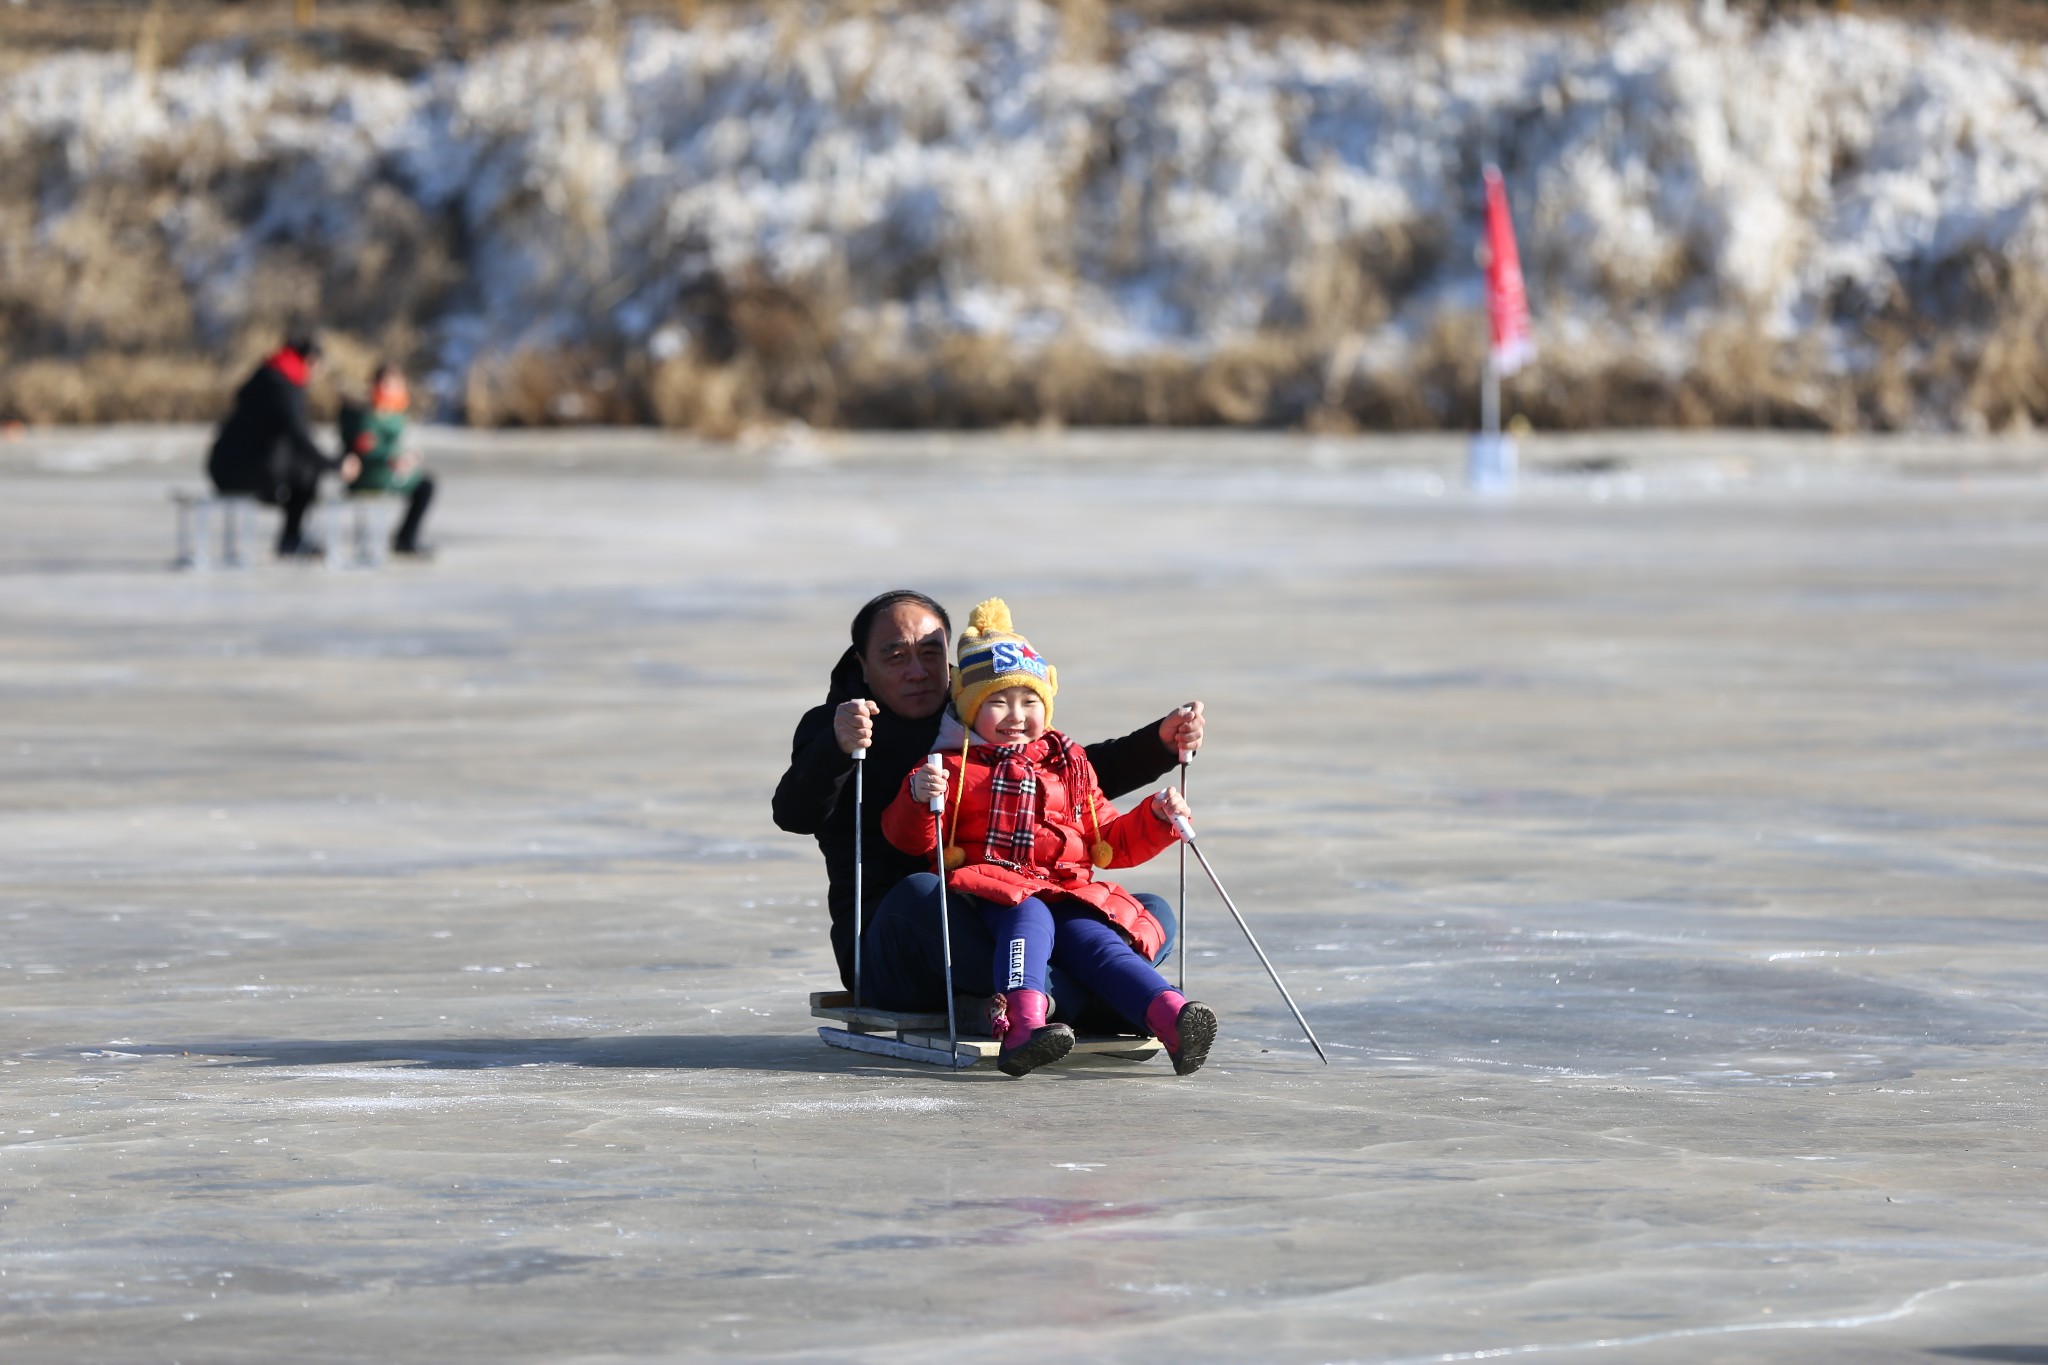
[938,765]
[859,768]
[1182,908]
[1187,834]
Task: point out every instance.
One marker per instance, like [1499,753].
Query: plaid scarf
[1016,802]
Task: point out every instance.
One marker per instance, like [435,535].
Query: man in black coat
[266,447]
[888,694]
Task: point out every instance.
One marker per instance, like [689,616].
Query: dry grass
[1993,380]
[110,388]
[530,387]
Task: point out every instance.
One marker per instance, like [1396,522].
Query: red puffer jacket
[1063,840]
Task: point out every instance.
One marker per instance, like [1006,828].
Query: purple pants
[1031,935]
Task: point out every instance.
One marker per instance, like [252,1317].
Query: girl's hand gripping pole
[1187,834]
[938,805]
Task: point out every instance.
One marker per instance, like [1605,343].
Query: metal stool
[195,528]
[369,534]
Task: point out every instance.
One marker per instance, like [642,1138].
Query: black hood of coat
[849,679]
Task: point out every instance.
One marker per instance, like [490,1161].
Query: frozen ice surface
[401,965]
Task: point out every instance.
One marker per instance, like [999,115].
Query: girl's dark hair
[864,619]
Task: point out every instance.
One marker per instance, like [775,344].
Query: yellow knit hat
[994,656]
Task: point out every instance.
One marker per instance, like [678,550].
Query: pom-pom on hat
[994,656]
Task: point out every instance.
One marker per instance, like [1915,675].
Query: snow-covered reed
[991,212]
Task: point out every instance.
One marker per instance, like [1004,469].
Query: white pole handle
[937,765]
[1185,830]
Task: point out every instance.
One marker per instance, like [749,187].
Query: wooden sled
[922,1037]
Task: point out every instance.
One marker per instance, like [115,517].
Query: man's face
[905,661]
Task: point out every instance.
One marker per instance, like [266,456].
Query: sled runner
[922,1037]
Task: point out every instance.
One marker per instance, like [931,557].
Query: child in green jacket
[376,436]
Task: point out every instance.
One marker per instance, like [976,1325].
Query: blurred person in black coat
[265,447]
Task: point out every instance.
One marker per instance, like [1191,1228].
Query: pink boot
[1187,1027]
[1031,1042]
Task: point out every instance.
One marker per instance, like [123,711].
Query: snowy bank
[985,214]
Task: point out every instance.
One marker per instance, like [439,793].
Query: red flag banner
[1507,302]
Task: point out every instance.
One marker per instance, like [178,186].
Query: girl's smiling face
[1013,716]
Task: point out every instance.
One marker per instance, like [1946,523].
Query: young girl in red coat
[1026,827]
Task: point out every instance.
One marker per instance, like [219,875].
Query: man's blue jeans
[903,965]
